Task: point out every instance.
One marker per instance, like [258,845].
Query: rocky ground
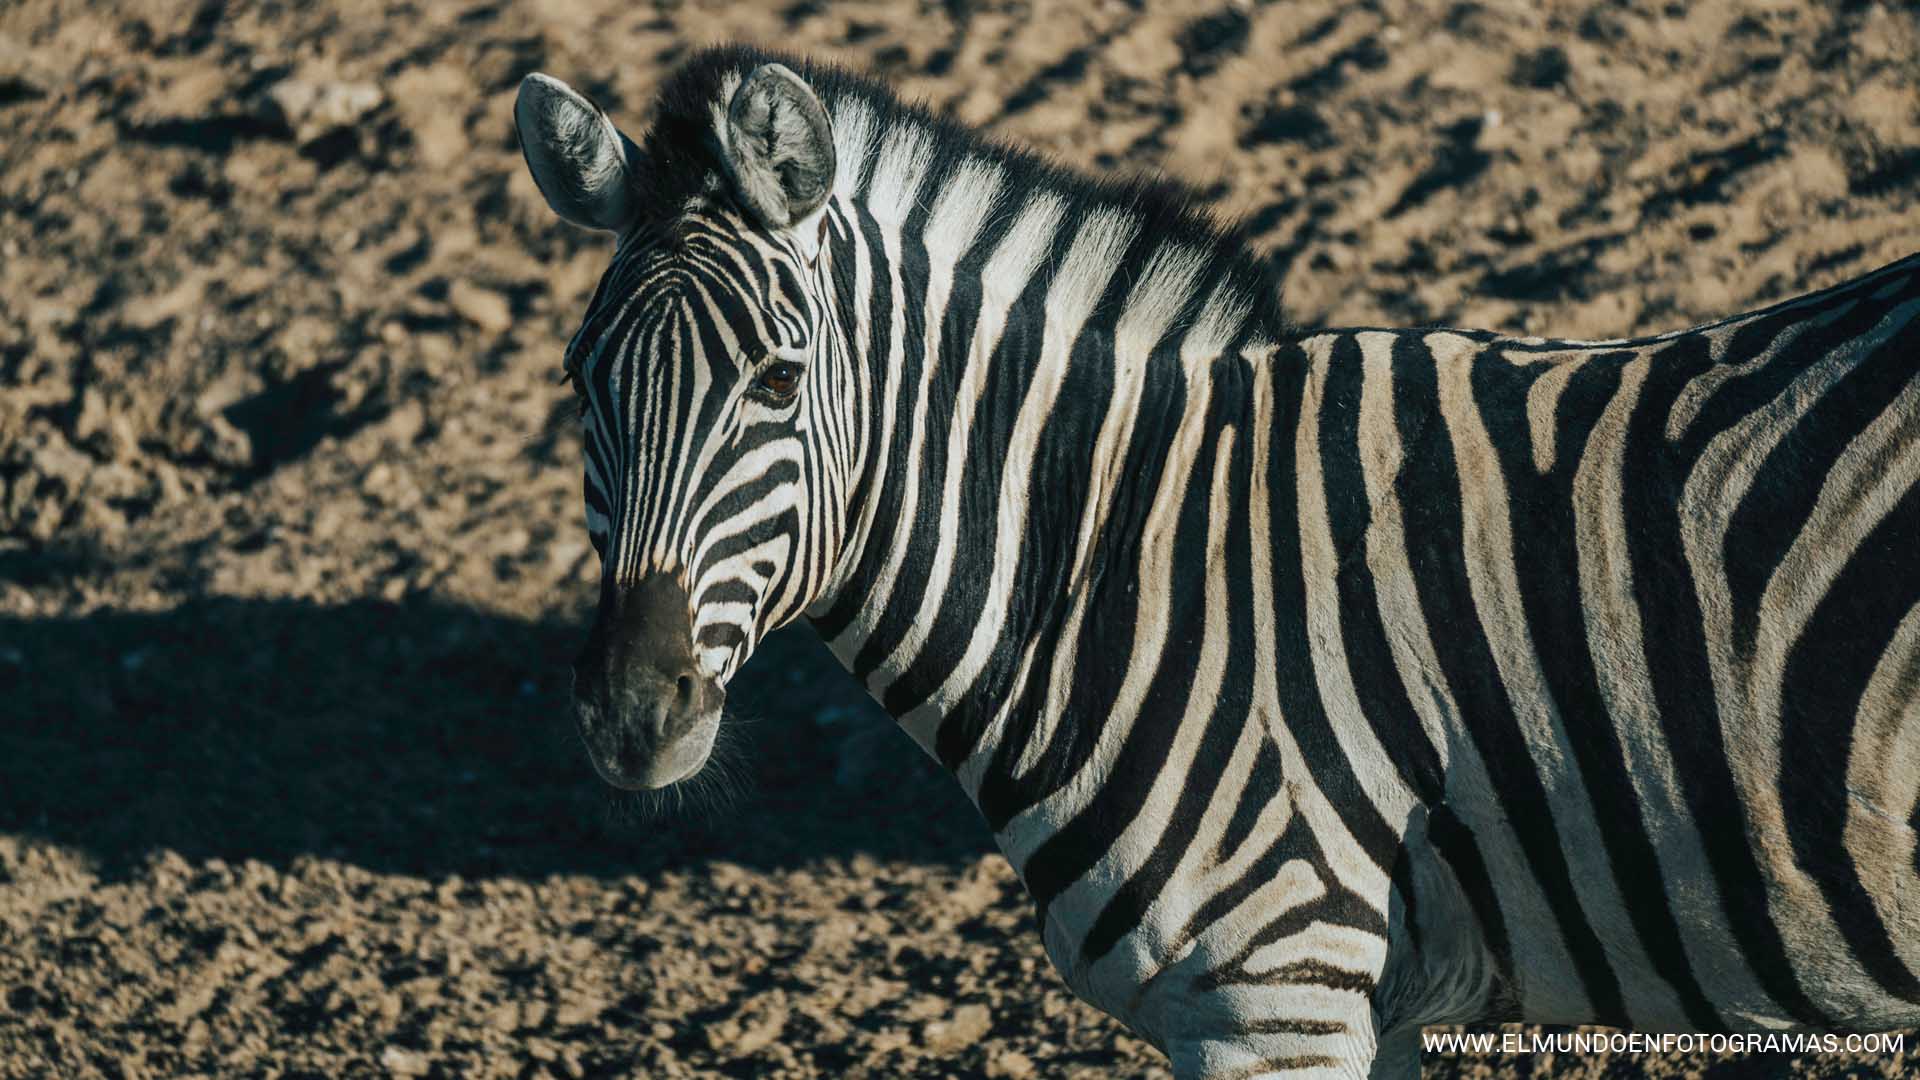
[291,560]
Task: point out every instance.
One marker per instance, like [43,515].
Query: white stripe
[1029,829]
[1320,570]
[1081,903]
[1617,643]
[1883,788]
[1524,910]
[1350,864]
[904,157]
[1494,583]
[955,223]
[1747,687]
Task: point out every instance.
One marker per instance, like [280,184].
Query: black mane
[681,153]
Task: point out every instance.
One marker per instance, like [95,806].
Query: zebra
[1317,685]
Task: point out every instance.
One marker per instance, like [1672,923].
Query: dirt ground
[291,552]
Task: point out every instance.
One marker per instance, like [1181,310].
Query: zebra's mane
[682,157]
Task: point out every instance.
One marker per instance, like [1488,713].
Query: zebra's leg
[1398,1054]
[1318,1049]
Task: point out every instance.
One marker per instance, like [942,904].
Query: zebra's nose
[664,705]
[630,753]
[647,713]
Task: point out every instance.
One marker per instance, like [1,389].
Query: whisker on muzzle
[718,791]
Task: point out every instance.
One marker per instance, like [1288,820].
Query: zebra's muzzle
[647,714]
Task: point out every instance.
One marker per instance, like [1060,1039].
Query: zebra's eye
[779,380]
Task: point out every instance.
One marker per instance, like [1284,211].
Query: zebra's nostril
[683,687]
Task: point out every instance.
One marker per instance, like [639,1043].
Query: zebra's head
[711,398]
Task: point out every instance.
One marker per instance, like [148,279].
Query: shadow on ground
[427,739]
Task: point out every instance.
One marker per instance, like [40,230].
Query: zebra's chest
[1248,922]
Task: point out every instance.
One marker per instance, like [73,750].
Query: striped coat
[1318,686]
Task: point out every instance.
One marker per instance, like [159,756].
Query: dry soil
[291,556]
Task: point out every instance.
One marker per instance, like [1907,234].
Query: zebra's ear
[581,162]
[779,147]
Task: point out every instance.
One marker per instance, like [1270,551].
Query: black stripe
[1334,906]
[1262,787]
[883,444]
[1545,548]
[1227,717]
[1376,681]
[1068,854]
[1682,680]
[1056,493]
[1100,653]
[1300,706]
[918,379]
[1826,674]
[1429,487]
[1008,378]
[1789,479]
[1454,842]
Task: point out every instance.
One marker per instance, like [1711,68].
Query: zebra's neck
[1042,363]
